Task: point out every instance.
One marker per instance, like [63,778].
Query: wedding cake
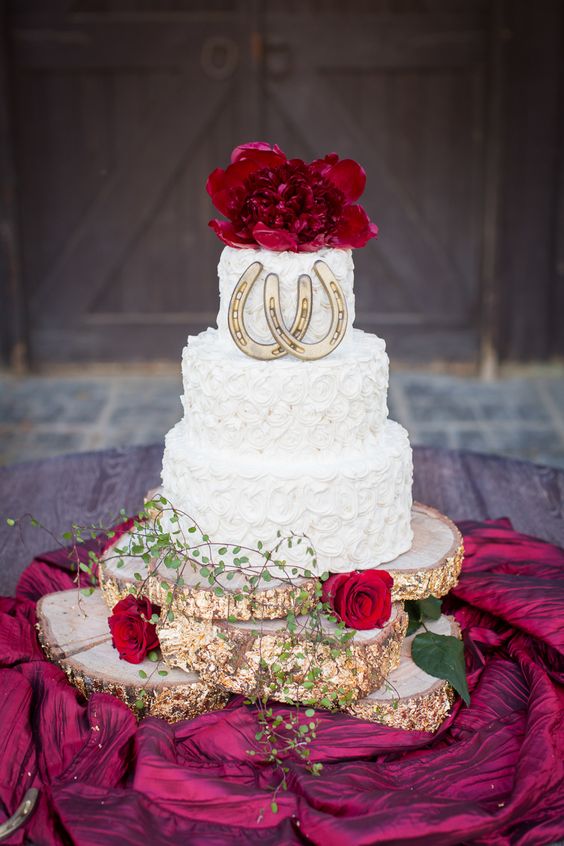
[291,443]
[283,558]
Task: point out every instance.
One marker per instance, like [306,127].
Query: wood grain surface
[93,486]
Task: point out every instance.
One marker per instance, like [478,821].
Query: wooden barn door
[399,86]
[122,107]
[122,110]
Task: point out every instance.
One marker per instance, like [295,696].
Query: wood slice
[196,598]
[410,698]
[231,654]
[432,565]
[74,634]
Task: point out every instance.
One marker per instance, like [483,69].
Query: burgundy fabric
[493,774]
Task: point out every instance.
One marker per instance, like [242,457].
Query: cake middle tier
[245,406]
[355,509]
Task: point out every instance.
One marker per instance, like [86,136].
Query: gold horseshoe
[293,344]
[21,815]
[236,320]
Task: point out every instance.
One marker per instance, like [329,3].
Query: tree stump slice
[196,598]
[74,634]
[231,654]
[432,566]
[410,698]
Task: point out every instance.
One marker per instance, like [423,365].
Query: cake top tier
[288,267]
[283,204]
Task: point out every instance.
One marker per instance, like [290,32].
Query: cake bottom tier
[356,511]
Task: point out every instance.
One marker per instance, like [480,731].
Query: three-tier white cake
[291,445]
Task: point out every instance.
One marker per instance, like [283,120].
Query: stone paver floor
[42,416]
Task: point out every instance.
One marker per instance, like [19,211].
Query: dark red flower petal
[274,239]
[215,181]
[331,585]
[354,228]
[225,230]
[259,151]
[325,164]
[349,177]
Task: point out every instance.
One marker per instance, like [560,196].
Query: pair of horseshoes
[288,341]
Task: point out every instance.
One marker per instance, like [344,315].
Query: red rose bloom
[361,600]
[132,633]
[286,204]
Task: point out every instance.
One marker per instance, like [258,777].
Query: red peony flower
[361,600]
[132,634]
[286,204]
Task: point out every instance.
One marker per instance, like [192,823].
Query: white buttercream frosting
[288,267]
[238,404]
[356,509]
[290,445]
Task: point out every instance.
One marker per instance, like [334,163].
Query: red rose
[133,635]
[286,204]
[361,600]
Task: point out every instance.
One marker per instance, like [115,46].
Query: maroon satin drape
[493,774]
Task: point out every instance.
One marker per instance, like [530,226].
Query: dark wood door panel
[129,118]
[124,106]
[404,95]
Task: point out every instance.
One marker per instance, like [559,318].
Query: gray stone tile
[128,435]
[430,437]
[434,398]
[527,443]
[48,400]
[554,387]
[475,440]
[152,403]
[43,416]
[27,445]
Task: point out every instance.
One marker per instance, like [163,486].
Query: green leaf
[430,607]
[152,655]
[142,674]
[222,551]
[414,614]
[274,807]
[87,591]
[236,549]
[163,672]
[442,656]
[10,522]
[309,712]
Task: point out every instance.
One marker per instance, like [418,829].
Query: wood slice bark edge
[245,658]
[97,668]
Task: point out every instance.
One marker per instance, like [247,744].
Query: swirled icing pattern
[302,446]
[355,508]
[288,266]
[288,406]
